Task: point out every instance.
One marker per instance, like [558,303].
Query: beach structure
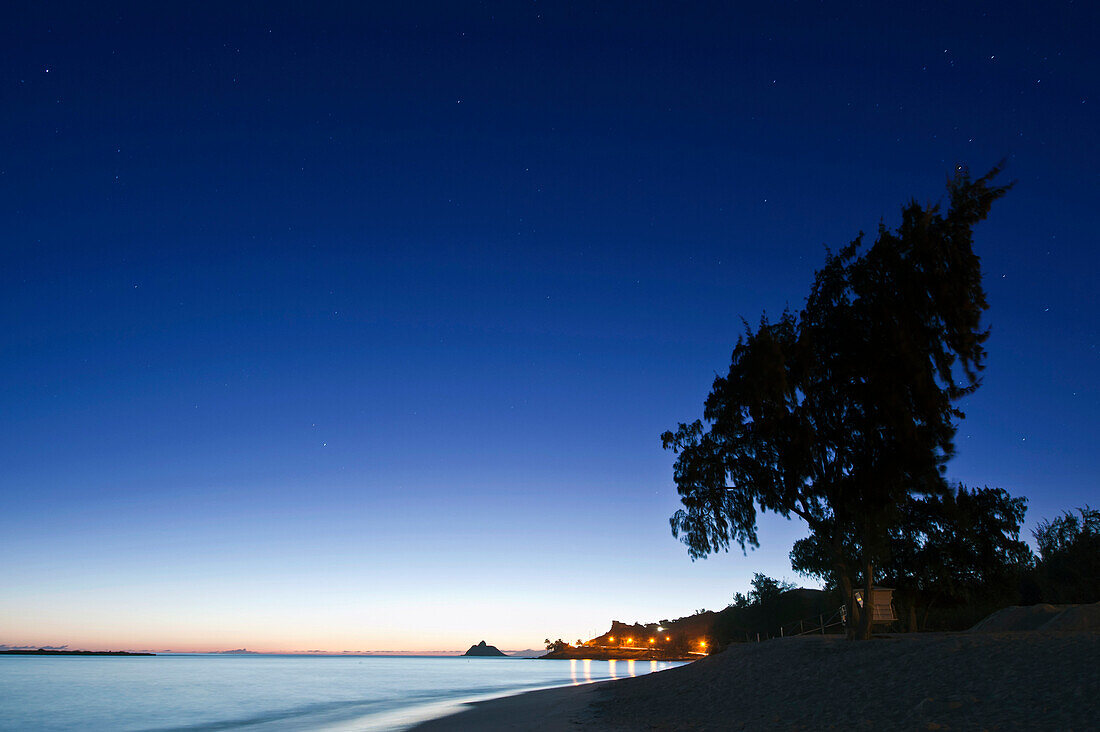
[882,604]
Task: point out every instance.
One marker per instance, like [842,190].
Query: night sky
[356,327]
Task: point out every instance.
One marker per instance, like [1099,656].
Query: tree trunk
[928,609]
[851,614]
[868,615]
[913,617]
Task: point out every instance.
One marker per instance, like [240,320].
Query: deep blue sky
[355,327]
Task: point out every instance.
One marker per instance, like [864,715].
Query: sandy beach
[1040,680]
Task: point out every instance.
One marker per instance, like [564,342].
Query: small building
[882,603]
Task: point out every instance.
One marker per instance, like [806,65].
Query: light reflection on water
[586,665]
[266,693]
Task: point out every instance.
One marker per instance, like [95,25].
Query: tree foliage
[844,413]
[953,548]
[766,607]
[1069,557]
[556,645]
[764,590]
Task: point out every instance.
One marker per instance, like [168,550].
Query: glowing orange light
[702,644]
[650,640]
[610,638]
[667,638]
[629,640]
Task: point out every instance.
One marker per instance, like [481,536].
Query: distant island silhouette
[527,653]
[483,650]
[44,652]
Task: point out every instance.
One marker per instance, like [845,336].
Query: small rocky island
[483,650]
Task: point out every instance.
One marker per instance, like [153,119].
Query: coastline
[619,654]
[45,652]
[542,710]
[1021,680]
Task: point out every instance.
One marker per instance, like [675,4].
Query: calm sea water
[215,692]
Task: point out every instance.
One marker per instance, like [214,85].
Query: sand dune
[1042,617]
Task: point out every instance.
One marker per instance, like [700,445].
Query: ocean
[267,693]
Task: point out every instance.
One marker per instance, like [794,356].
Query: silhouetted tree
[1069,557]
[769,605]
[765,589]
[740,601]
[969,551]
[842,414]
[954,547]
[555,646]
